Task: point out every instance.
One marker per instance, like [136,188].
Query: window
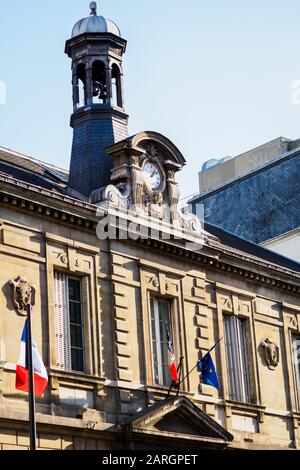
[160,324]
[237,358]
[69,330]
[296,351]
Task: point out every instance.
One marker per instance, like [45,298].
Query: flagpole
[187,375]
[32,419]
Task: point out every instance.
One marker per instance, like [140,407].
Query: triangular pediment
[179,416]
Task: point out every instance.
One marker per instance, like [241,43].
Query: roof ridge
[273,162]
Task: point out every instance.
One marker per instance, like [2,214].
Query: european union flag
[208,372]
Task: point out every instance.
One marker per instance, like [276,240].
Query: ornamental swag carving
[23,294]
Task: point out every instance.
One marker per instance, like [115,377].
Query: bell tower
[99,119]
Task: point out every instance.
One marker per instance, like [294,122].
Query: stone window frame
[291,325]
[162,284]
[172,312]
[85,291]
[75,259]
[230,303]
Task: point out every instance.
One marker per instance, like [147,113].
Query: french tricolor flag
[173,368]
[40,373]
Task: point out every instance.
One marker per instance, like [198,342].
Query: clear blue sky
[215,76]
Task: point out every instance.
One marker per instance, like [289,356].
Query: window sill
[76,378]
[238,405]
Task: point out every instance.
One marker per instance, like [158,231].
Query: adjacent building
[113,267]
[256,195]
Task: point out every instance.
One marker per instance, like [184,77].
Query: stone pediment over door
[175,422]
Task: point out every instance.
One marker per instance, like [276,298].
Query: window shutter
[232,358]
[62,336]
[237,358]
[244,361]
[296,358]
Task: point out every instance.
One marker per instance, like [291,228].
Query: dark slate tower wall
[94,131]
[261,206]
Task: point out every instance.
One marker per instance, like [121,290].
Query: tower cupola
[96,49]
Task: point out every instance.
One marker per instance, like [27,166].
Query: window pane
[77,360]
[160,321]
[74,290]
[76,336]
[75,313]
[237,358]
[296,347]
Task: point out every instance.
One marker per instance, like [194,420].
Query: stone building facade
[101,304]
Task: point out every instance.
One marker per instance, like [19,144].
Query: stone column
[108,73]
[75,91]
[121,90]
[89,86]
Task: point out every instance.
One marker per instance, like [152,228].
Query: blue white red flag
[22,374]
[173,368]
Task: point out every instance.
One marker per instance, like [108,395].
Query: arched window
[116,87]
[99,83]
[81,78]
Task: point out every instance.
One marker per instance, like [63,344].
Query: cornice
[227,267]
[89,217]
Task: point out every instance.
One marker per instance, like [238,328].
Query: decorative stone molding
[23,294]
[64,259]
[271,353]
[227,304]
[89,222]
[293,322]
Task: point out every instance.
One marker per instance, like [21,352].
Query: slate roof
[259,205]
[35,172]
[245,246]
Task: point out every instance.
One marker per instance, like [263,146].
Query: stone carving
[64,258]
[171,175]
[110,195]
[155,282]
[151,150]
[293,322]
[173,196]
[128,189]
[153,204]
[23,294]
[189,222]
[135,160]
[271,353]
[137,186]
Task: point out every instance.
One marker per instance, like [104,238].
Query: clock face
[152,176]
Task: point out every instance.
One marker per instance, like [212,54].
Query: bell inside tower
[99,83]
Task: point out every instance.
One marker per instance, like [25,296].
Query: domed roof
[95,24]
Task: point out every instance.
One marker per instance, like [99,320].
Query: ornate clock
[153,176]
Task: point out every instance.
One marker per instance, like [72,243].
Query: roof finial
[93,7]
